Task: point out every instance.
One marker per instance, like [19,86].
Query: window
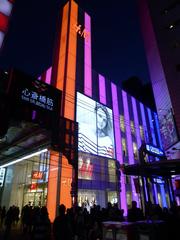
[112,170]
[122,123]
[132,128]
[135,150]
[141,132]
[124,148]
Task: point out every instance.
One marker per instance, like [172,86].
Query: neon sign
[81,31]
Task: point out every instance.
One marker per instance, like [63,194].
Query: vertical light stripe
[48,75]
[129,141]
[69,107]
[52,185]
[62,50]
[163,194]
[87,58]
[102,89]
[136,122]
[154,143]
[145,135]
[137,129]
[119,155]
[128,128]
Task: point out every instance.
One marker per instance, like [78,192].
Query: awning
[158,168]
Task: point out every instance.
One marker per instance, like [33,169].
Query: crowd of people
[79,224]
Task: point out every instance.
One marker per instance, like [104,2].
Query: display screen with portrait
[95,127]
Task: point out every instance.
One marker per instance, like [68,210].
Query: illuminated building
[160,25]
[112,127]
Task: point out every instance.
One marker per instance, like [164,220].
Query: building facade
[112,127]
[160,25]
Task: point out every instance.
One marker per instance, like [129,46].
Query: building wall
[160,29]
[132,123]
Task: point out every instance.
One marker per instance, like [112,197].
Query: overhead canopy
[157,168]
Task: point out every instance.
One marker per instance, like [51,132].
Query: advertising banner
[96,133]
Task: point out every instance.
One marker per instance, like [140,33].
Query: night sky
[117,45]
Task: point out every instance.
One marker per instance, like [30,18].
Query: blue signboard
[155,151]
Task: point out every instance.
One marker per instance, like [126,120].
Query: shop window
[122,126]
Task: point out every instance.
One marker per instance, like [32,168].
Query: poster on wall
[168,129]
[95,127]
[91,167]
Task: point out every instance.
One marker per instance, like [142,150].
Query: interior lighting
[24,158]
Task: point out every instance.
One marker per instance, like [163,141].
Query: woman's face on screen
[101,119]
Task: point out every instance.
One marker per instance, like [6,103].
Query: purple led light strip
[129,141]
[119,154]
[102,89]
[87,58]
[145,130]
[136,124]
[155,143]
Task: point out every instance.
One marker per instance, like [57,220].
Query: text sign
[37,175]
[81,31]
[29,90]
[154,150]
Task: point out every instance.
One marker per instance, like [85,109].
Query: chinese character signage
[29,90]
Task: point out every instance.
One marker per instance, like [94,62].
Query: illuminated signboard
[2,175]
[37,175]
[168,129]
[154,150]
[81,31]
[96,133]
[30,91]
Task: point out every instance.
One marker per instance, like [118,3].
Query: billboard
[96,134]
[168,129]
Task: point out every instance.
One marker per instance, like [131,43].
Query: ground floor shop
[45,178]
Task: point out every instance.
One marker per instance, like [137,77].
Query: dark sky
[117,45]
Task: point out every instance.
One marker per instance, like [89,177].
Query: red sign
[37,175]
[33,186]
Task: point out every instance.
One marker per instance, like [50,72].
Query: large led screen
[96,133]
[168,129]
